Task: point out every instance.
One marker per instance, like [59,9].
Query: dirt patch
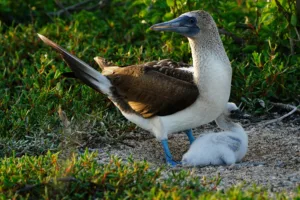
[272,160]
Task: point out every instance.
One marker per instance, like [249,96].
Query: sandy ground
[272,160]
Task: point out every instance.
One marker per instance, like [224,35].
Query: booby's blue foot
[189,133]
[168,154]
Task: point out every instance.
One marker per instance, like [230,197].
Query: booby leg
[189,133]
[168,154]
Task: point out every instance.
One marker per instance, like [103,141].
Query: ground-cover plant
[260,39]
[81,177]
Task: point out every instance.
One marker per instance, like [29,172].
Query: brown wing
[171,64]
[183,75]
[166,66]
[148,91]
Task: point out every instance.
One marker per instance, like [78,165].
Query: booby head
[188,24]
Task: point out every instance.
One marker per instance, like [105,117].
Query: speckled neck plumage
[206,46]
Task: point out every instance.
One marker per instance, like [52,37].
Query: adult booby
[165,101]
[222,148]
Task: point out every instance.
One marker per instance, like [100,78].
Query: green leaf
[294,20]
[170,3]
[231,24]
[249,48]
[261,4]
[267,18]
[168,16]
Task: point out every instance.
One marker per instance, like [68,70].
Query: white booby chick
[222,148]
[165,101]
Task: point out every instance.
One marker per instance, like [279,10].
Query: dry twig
[295,108]
[285,106]
[59,4]
[63,117]
[69,8]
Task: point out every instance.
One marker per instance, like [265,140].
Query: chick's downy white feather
[222,148]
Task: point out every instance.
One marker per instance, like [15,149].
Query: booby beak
[183,25]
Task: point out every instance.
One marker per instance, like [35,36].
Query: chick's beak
[236,114]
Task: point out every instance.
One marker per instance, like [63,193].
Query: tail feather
[82,70]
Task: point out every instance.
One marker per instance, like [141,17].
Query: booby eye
[192,20]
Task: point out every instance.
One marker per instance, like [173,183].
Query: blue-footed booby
[160,99]
[222,148]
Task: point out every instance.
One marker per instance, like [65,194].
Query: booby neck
[209,49]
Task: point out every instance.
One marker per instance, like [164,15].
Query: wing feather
[149,91]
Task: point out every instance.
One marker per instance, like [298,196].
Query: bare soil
[272,160]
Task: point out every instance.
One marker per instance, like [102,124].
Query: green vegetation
[261,39]
[263,54]
[81,177]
